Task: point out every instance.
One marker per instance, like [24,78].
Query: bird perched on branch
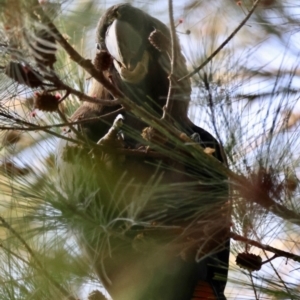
[138,47]
[158,220]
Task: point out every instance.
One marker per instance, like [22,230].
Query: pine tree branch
[33,127]
[196,70]
[277,252]
[245,187]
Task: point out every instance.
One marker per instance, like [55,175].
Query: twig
[142,153]
[85,97]
[173,38]
[42,269]
[82,96]
[224,43]
[253,286]
[277,252]
[35,127]
[211,106]
[81,121]
[167,111]
[269,260]
[72,128]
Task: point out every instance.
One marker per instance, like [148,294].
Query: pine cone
[248,261]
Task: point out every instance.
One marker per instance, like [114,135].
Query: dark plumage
[138,68]
[165,218]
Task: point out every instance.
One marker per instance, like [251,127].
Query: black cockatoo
[154,224]
[138,47]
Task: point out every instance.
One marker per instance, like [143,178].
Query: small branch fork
[277,252]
